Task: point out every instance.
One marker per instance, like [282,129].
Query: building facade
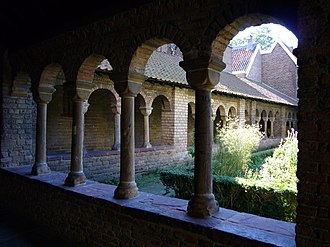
[202,30]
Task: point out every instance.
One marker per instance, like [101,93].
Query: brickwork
[18,134]
[103,166]
[255,69]
[200,29]
[285,77]
[89,216]
[59,126]
[99,121]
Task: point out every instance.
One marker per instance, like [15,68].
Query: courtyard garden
[245,179]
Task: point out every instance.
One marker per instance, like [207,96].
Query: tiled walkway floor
[18,232]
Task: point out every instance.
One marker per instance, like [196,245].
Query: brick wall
[59,125]
[88,215]
[279,71]
[255,72]
[18,128]
[99,121]
[104,165]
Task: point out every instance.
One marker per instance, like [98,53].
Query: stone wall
[88,215]
[18,125]
[103,166]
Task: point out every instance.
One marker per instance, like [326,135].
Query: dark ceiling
[26,22]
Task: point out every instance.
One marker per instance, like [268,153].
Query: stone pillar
[40,166]
[146,111]
[272,127]
[253,112]
[116,111]
[127,86]
[241,112]
[202,76]
[76,175]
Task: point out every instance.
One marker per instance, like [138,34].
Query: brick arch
[219,107]
[148,41]
[229,31]
[21,84]
[88,67]
[52,75]
[108,87]
[166,106]
[232,112]
[270,114]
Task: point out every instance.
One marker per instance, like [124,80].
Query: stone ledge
[226,227]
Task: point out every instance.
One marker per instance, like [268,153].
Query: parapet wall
[88,215]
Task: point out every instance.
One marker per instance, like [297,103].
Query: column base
[202,205]
[126,190]
[147,145]
[116,146]
[75,178]
[41,168]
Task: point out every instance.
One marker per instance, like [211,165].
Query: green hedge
[243,195]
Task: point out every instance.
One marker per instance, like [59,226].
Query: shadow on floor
[16,231]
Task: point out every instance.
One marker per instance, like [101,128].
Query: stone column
[146,111]
[127,86]
[76,175]
[40,166]
[202,76]
[241,112]
[116,111]
[272,127]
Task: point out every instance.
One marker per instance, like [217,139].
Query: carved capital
[127,84]
[202,73]
[146,111]
[116,109]
[45,93]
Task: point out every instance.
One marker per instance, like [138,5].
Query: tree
[260,34]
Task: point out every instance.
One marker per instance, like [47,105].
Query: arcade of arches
[82,114]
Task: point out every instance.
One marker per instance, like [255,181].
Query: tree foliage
[260,35]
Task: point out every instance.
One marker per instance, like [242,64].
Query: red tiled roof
[241,58]
[165,67]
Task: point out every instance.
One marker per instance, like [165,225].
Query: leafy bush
[236,142]
[280,169]
[258,159]
[244,195]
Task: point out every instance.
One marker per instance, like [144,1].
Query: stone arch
[269,124]
[21,85]
[99,120]
[220,120]
[52,75]
[152,38]
[160,126]
[85,75]
[191,123]
[262,122]
[232,113]
[227,32]
[258,117]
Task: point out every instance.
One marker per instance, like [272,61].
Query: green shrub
[258,159]
[280,168]
[236,142]
[244,195]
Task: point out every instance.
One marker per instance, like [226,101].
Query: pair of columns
[202,76]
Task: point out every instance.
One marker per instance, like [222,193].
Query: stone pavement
[20,232]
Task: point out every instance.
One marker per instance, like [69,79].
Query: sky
[278,31]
